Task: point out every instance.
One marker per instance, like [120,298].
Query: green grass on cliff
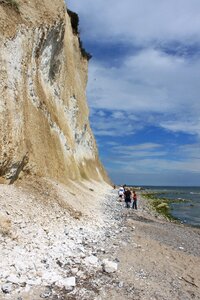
[11,3]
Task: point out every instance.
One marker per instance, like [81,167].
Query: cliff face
[44,127]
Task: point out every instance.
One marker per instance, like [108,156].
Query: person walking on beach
[127,195]
[121,192]
[134,200]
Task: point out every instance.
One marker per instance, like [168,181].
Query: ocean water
[187,211]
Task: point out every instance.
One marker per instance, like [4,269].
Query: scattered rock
[74,271]
[80,274]
[6,288]
[34,281]
[109,266]
[181,248]
[47,293]
[67,283]
[13,279]
[91,260]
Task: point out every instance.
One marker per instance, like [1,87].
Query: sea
[187,211]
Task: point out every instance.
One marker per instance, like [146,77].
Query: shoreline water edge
[180,204]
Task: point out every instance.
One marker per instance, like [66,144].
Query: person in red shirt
[134,200]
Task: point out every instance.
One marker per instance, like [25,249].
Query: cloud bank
[143,87]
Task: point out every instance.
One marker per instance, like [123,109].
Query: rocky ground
[109,252]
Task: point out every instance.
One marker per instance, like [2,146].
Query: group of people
[126,194]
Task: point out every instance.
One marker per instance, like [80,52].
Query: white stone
[70,281]
[67,283]
[91,260]
[13,279]
[34,281]
[109,266]
[181,248]
[81,249]
[82,255]
[20,265]
[51,277]
[74,271]
[7,288]
[46,294]
[80,274]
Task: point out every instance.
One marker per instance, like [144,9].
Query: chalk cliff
[44,126]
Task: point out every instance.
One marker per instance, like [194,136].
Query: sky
[144,88]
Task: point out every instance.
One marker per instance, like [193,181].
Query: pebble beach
[112,253]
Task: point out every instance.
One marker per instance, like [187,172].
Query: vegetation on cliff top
[11,3]
[75,27]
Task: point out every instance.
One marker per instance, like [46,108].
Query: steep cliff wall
[44,127]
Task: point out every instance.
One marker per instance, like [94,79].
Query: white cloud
[118,115]
[157,165]
[139,148]
[192,126]
[151,82]
[144,146]
[139,21]
[191,151]
[153,158]
[115,124]
[101,113]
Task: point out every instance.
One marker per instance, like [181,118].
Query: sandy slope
[58,232]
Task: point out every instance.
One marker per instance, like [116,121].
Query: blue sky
[144,87]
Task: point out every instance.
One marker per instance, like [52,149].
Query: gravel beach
[158,259]
[101,251]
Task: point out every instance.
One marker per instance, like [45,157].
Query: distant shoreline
[178,204]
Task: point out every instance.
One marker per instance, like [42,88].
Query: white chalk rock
[37,281]
[91,260]
[70,282]
[51,277]
[181,248]
[67,283]
[81,249]
[109,266]
[46,294]
[13,279]
[6,288]
[74,271]
[80,274]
